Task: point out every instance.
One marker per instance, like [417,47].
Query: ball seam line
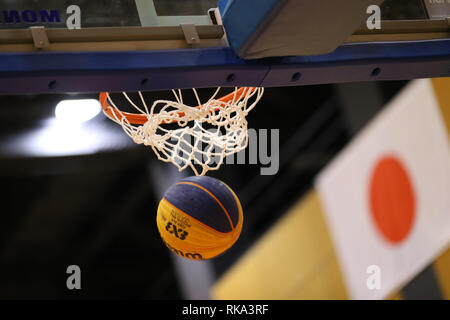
[214,197]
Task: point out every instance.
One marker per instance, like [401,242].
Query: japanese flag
[386,197]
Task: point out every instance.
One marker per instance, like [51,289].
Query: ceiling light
[77,111]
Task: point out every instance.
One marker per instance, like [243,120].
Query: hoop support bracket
[190,33]
[40,37]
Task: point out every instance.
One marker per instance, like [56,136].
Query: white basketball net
[190,144]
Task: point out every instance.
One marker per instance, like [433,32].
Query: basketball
[199,218]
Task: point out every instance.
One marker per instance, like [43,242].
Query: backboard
[123,13]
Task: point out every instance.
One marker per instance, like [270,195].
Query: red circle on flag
[392,200]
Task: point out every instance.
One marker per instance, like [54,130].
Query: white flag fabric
[386,196]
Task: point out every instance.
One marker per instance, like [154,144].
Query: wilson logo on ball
[188,255]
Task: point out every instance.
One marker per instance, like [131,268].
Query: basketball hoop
[189,144]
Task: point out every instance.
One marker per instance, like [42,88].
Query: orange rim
[140,119]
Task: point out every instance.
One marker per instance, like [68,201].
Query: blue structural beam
[50,72]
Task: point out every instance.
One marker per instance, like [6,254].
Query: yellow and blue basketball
[199,218]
